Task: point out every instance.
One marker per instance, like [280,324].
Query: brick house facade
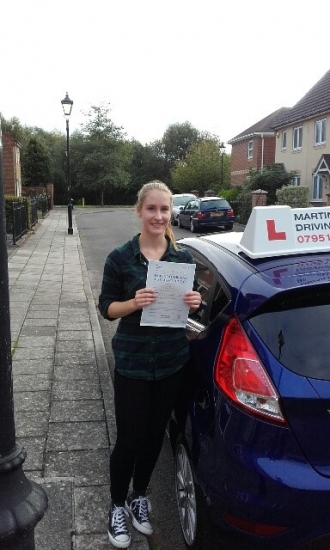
[12,174]
[254,148]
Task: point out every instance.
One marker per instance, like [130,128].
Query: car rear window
[295,327]
[181,201]
[211,205]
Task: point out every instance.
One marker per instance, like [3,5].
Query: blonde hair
[157,185]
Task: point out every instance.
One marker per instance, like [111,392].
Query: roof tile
[316,101]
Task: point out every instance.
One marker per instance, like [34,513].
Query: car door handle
[193,329]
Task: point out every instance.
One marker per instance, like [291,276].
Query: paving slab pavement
[63,394]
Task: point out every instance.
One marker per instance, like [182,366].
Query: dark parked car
[205,212]
[250,432]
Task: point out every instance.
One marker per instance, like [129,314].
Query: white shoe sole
[118,543]
[141,528]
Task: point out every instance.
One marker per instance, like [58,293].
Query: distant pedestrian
[148,360]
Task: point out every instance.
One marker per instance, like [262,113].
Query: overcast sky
[219,64]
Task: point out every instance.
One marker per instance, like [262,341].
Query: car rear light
[230,213]
[260,529]
[200,215]
[241,375]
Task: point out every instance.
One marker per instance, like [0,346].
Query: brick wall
[240,164]
[259,198]
[269,150]
[9,164]
[40,190]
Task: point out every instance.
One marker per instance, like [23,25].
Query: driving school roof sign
[281,230]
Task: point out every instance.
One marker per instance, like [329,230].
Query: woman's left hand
[193,299]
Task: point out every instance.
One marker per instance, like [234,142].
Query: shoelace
[141,504]
[119,520]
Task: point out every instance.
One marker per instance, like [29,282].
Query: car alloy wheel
[179,223]
[192,227]
[185,493]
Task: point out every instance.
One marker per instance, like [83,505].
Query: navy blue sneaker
[139,509]
[118,532]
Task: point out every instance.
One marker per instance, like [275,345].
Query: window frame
[250,149]
[297,137]
[320,132]
[296,180]
[317,189]
[284,138]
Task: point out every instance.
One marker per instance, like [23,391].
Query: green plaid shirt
[148,353]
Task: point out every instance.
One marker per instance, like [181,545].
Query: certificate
[171,281]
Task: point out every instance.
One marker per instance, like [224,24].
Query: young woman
[148,360]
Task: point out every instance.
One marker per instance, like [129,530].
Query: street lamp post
[222,152]
[22,502]
[67,108]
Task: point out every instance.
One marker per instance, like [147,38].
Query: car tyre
[194,521]
[179,223]
[229,226]
[192,227]
[185,493]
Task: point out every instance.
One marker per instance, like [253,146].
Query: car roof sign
[282,230]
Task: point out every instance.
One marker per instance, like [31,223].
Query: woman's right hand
[144,297]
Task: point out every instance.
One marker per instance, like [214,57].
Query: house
[12,175]
[254,148]
[303,141]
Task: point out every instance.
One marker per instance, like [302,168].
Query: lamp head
[67,106]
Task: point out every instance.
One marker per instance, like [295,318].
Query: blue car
[251,429]
[203,213]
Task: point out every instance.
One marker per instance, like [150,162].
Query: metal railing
[34,211]
[19,220]
[242,209]
[43,205]
[23,217]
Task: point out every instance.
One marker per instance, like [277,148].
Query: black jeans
[142,409]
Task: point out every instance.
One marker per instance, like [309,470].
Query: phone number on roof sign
[313,238]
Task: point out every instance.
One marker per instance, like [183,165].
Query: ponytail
[169,233]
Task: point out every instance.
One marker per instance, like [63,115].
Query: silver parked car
[179,200]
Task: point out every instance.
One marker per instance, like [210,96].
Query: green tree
[15,129]
[271,178]
[146,165]
[36,163]
[177,140]
[201,168]
[53,142]
[100,156]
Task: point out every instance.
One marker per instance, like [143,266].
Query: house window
[320,131]
[295,181]
[250,149]
[284,139]
[297,138]
[317,188]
